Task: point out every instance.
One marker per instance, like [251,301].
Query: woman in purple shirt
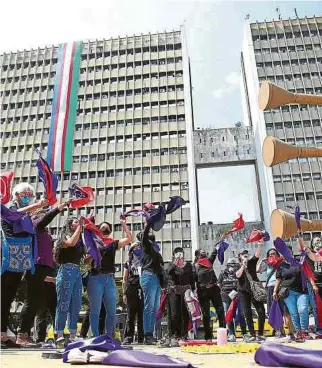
[36,283]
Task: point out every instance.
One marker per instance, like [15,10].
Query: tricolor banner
[64,107]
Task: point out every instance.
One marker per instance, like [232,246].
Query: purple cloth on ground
[279,355]
[137,358]
[99,343]
[275,318]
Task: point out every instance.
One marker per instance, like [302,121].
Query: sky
[214,34]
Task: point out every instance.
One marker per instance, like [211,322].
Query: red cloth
[318,302]
[88,224]
[274,261]
[255,236]
[231,312]
[163,303]
[79,202]
[308,271]
[205,262]
[5,180]
[238,224]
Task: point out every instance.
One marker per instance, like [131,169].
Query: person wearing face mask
[152,278]
[180,275]
[16,234]
[133,295]
[315,286]
[228,284]
[101,284]
[208,290]
[36,283]
[68,254]
[248,270]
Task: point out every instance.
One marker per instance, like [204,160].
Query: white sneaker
[76,356]
[95,356]
[232,338]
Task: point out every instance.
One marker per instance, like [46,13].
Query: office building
[132,134]
[287,52]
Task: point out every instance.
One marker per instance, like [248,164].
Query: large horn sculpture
[283,224]
[271,96]
[275,151]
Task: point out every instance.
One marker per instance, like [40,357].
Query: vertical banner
[64,107]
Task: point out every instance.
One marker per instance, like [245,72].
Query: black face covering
[106,231]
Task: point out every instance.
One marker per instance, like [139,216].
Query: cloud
[231,83]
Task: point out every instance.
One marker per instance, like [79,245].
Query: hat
[177,250]
[133,245]
[231,261]
[243,251]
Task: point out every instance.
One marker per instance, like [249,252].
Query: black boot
[149,339]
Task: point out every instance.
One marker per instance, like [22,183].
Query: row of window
[295,107]
[107,173]
[36,89]
[130,92]
[129,138]
[305,77]
[129,107]
[38,76]
[130,155]
[223,139]
[129,78]
[132,64]
[224,153]
[287,35]
[295,62]
[296,177]
[99,54]
[131,122]
[296,124]
[286,49]
[103,124]
[95,141]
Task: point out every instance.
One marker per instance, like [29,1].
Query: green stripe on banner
[72,109]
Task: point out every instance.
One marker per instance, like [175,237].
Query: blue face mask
[137,252]
[25,201]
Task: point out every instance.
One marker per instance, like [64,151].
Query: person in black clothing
[133,295]
[36,283]
[152,279]
[248,270]
[68,254]
[208,290]
[228,284]
[23,197]
[180,276]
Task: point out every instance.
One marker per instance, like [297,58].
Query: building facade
[133,129]
[288,53]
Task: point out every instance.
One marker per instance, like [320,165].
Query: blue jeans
[313,303]
[69,297]
[150,285]
[298,307]
[102,288]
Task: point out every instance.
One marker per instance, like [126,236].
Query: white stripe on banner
[62,108]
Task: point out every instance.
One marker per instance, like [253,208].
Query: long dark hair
[65,231]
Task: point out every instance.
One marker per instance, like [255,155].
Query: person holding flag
[101,283]
[44,268]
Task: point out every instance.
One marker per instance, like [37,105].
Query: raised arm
[33,207]
[72,241]
[258,251]
[128,235]
[49,216]
[213,255]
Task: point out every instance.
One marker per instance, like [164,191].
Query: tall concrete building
[129,126]
[288,53]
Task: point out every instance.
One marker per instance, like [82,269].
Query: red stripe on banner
[70,80]
[57,110]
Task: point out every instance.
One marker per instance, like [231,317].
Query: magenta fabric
[279,355]
[137,358]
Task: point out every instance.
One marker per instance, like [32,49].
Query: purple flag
[175,203]
[275,318]
[93,244]
[222,247]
